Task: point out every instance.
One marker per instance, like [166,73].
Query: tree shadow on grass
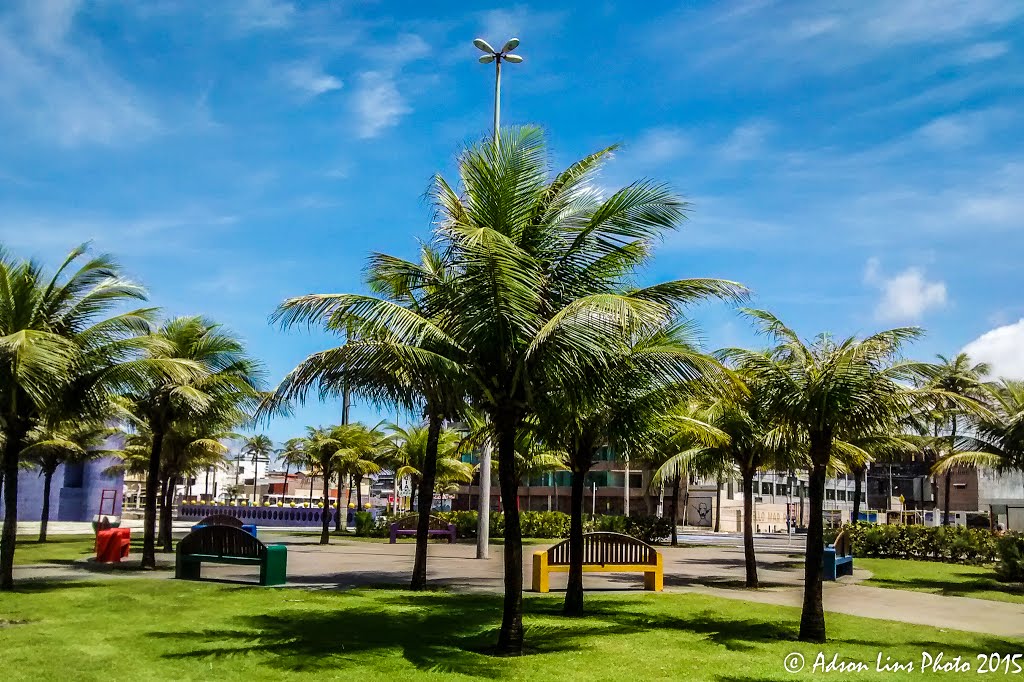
[41,585]
[952,588]
[442,632]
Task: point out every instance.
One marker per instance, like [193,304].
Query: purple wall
[260,516]
[74,492]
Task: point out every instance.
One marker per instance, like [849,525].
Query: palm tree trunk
[162,513]
[812,618]
[284,494]
[359,491]
[44,518]
[858,477]
[15,443]
[311,479]
[718,505]
[337,501]
[949,479]
[675,509]
[574,590]
[325,514]
[152,489]
[349,503]
[748,528]
[419,568]
[412,494]
[167,513]
[510,636]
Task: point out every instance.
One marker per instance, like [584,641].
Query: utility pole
[484,503]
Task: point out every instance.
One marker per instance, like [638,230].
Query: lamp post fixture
[498,56]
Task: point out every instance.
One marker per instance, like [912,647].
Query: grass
[953,580]
[152,629]
[57,549]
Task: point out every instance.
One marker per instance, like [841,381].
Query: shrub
[650,529]
[367,526]
[1011,558]
[954,544]
[610,524]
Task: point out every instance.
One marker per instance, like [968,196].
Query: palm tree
[823,393]
[60,344]
[257,447]
[957,377]
[223,375]
[406,452]
[292,454]
[67,442]
[629,404]
[997,436]
[527,308]
[363,457]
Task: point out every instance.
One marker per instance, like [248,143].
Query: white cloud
[746,141]
[659,145]
[261,15]
[982,52]
[378,104]
[498,25]
[310,79]
[58,91]
[907,295]
[1003,348]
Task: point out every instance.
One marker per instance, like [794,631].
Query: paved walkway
[713,570]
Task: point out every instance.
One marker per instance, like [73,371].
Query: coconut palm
[292,454]
[955,376]
[67,442]
[406,452]
[224,377]
[996,439]
[61,346]
[629,405]
[823,393]
[533,303]
[364,456]
[257,447]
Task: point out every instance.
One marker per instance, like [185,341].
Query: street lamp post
[484,502]
[498,56]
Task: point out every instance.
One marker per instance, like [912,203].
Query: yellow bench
[602,553]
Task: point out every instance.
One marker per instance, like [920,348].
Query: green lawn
[938,578]
[154,629]
[58,548]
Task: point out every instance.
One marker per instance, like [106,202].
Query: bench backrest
[409,523]
[843,544]
[222,541]
[606,548]
[220,520]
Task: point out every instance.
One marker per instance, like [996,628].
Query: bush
[954,544]
[368,527]
[1011,558]
[650,529]
[610,524]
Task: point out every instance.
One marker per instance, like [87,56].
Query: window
[830,494]
[636,480]
[766,488]
[780,489]
[598,477]
[841,495]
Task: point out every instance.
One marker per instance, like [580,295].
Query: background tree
[292,454]
[222,374]
[257,447]
[822,393]
[62,443]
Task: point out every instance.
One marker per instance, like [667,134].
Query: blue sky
[858,165]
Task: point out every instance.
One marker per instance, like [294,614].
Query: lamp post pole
[483,523]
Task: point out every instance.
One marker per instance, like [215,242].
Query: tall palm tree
[824,393]
[61,343]
[256,448]
[532,304]
[955,376]
[629,404]
[67,442]
[292,454]
[223,375]
[406,452]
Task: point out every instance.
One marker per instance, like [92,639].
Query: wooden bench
[837,559]
[226,520]
[407,526]
[602,553]
[229,545]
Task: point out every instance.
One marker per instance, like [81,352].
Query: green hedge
[535,524]
[1011,558]
[953,544]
